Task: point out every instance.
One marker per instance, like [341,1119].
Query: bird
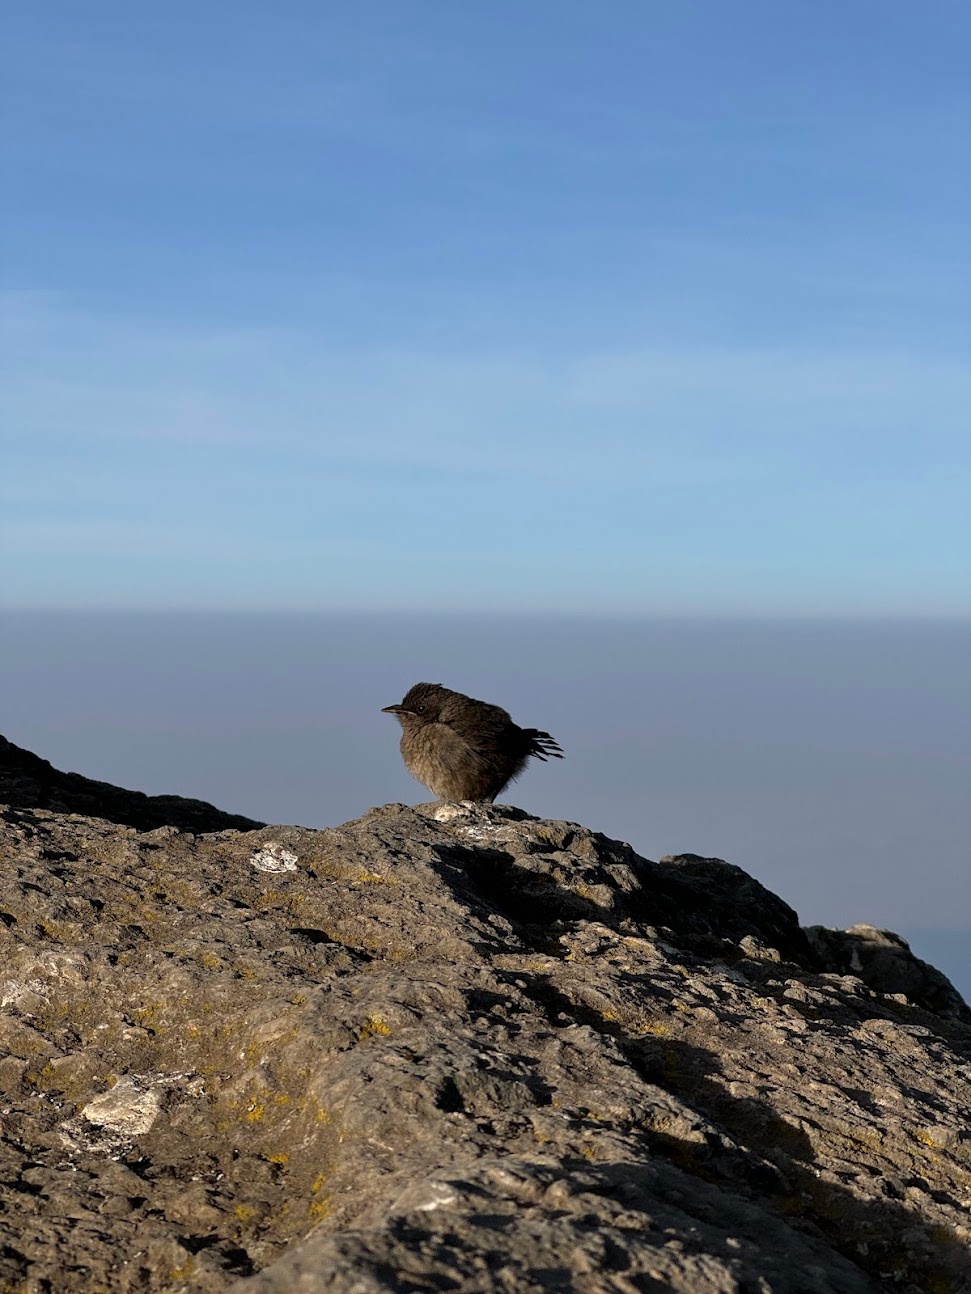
[463,749]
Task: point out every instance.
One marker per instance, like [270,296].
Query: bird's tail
[542,745]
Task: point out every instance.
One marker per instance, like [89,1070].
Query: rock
[884,961]
[454,1047]
[29,782]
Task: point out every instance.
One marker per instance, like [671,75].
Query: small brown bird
[464,749]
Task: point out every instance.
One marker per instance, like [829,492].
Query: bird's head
[421,704]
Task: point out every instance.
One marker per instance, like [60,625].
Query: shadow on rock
[748,1148]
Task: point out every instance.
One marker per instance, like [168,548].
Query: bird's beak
[394,709]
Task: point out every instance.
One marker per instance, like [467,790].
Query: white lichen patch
[25,996]
[453,811]
[127,1108]
[448,810]
[425,1197]
[111,1121]
[483,832]
[274,857]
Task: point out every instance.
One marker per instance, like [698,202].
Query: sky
[645,308]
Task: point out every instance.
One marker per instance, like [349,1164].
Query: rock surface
[458,1048]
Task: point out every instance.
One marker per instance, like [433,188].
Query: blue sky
[639,308]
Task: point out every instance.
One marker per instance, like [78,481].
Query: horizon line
[547,613]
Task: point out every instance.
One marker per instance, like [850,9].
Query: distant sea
[832,760]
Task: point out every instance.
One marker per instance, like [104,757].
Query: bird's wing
[478,723]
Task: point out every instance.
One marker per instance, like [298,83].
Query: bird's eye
[419,709]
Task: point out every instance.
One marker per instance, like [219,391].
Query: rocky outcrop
[456,1048]
[29,782]
[884,961]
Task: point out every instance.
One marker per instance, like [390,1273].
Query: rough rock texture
[884,961]
[455,1048]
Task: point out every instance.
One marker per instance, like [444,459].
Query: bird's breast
[441,758]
